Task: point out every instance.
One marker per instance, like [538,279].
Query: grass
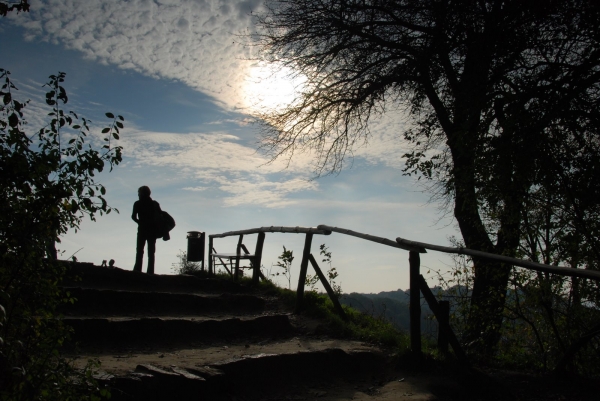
[359,326]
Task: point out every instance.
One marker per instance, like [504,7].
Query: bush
[47,186]
[184,266]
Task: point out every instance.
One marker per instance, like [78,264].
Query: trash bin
[195,247]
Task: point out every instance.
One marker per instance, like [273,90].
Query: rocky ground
[186,338]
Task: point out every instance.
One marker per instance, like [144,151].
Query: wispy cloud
[194,41]
[218,161]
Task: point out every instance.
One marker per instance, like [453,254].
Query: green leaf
[110,115]
[115,135]
[119,124]
[105,130]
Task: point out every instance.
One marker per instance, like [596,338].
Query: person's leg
[139,255]
[151,250]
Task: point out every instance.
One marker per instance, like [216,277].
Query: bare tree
[491,88]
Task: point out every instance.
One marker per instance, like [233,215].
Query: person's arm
[134,214]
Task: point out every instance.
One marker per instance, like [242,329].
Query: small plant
[332,274]
[285,262]
[184,266]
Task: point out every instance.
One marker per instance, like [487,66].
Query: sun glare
[269,88]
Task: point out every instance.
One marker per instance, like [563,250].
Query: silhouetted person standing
[144,214]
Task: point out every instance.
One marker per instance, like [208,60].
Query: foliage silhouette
[184,266]
[47,186]
[332,274]
[285,262]
[502,98]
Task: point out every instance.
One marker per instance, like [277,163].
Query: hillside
[185,337]
[161,337]
[391,306]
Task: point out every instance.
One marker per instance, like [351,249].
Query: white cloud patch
[195,189]
[194,41]
[218,161]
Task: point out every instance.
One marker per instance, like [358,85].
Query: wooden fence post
[435,308]
[257,257]
[443,320]
[210,259]
[238,252]
[303,270]
[415,302]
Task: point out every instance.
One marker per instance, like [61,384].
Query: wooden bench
[242,252]
[233,259]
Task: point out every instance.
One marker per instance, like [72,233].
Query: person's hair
[144,190]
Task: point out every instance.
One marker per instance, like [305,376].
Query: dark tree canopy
[8,6]
[503,96]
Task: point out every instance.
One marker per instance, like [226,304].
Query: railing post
[257,257]
[238,252]
[303,270]
[415,302]
[210,258]
[444,320]
[434,305]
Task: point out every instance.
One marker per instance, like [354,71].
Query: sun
[268,88]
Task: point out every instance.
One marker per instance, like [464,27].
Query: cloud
[193,41]
[220,162]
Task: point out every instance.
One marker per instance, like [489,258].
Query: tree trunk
[491,278]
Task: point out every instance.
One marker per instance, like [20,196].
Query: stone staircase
[162,337]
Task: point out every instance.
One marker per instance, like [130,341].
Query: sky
[185,78]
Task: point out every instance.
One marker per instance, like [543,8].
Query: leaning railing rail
[440,309]
[272,229]
[560,270]
[418,284]
[373,238]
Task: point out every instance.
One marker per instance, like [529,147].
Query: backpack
[163,223]
[167,225]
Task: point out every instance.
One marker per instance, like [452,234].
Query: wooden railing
[418,284]
[255,259]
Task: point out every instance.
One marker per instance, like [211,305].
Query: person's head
[144,192]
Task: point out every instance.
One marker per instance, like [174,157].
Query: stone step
[240,372]
[87,275]
[92,302]
[100,333]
